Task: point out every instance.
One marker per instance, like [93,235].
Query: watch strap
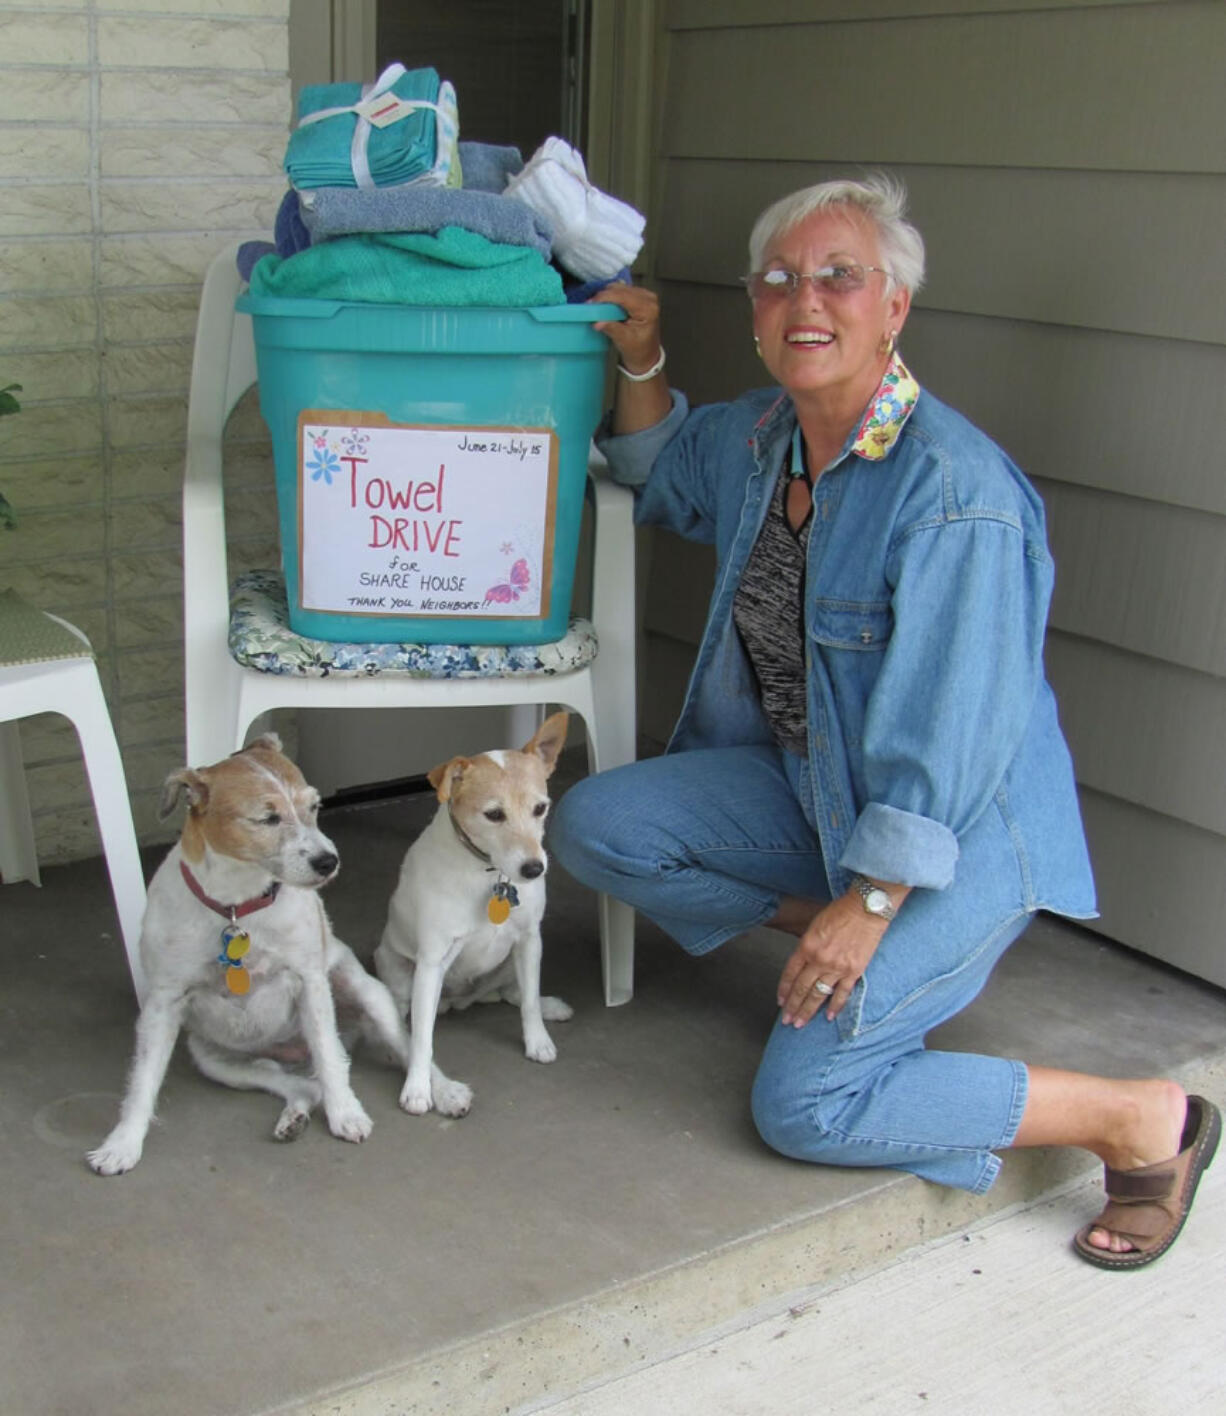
[864,887]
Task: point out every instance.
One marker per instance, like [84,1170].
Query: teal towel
[318,154]
[455,267]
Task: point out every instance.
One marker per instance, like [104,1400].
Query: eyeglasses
[843,279]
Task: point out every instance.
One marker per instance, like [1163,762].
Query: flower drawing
[324,467]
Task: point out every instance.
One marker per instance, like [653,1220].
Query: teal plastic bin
[430,464]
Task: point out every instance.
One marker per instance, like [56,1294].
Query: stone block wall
[137,138]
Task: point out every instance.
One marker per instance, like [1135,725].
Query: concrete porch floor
[585,1219]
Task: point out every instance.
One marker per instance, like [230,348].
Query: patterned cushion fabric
[28,636]
[260,638]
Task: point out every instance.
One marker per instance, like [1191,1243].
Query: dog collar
[467,841]
[230,912]
[503,895]
[235,942]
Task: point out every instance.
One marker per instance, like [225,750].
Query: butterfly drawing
[515,585]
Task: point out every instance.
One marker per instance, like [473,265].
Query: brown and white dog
[464,923]
[239,953]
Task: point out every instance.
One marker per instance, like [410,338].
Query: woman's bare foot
[1126,1124]
[1147,1129]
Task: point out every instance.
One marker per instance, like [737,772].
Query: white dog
[239,953]
[464,924]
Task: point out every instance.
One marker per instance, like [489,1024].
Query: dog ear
[446,776]
[188,780]
[549,739]
[270,741]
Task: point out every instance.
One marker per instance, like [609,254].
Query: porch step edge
[538,1360]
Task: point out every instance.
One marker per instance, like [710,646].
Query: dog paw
[554,1010]
[452,1098]
[350,1123]
[291,1123]
[113,1158]
[415,1100]
[540,1049]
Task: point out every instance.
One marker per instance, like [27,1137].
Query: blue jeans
[705,843]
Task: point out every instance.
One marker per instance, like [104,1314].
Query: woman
[868,757]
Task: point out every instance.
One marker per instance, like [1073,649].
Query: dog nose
[325,863]
[532,868]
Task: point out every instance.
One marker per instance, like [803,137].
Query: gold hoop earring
[889,342]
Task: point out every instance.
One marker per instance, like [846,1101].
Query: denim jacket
[927,585]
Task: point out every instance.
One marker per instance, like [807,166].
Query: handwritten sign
[405,520]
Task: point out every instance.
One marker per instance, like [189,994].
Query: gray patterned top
[769,616]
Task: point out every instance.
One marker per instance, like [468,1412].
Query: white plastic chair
[224,697]
[69,686]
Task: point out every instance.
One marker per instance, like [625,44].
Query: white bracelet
[649,374]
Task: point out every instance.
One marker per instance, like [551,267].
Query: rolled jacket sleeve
[674,467]
[901,847]
[631,456]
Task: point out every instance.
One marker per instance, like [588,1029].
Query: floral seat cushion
[260,638]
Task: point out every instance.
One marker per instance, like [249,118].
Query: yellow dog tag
[502,897]
[235,943]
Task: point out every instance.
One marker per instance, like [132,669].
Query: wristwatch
[875,900]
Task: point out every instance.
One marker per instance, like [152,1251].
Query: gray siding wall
[1065,163]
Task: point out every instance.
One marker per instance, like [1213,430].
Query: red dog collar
[230,912]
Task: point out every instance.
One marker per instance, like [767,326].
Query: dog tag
[502,897]
[238,980]
[236,943]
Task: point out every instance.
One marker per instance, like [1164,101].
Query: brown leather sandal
[1148,1206]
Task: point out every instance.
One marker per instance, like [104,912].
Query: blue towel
[341,211]
[580,294]
[289,237]
[249,253]
[456,267]
[289,233]
[487,167]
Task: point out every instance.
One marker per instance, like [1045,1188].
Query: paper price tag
[385,108]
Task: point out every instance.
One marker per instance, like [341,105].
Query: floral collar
[892,405]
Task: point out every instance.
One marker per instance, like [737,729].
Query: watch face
[877,901]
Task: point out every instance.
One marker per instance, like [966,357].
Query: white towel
[595,235]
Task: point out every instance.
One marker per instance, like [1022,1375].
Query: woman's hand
[637,404]
[637,337]
[835,950]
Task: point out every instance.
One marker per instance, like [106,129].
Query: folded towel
[249,253]
[580,294]
[487,166]
[289,234]
[341,211]
[341,140]
[594,234]
[456,267]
